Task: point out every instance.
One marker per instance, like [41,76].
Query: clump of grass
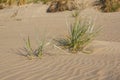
[81,32]
[80,35]
[10,2]
[33,1]
[21,2]
[36,1]
[110,5]
[45,1]
[2,1]
[38,52]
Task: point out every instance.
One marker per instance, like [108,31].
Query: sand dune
[56,64]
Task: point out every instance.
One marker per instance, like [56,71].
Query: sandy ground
[56,64]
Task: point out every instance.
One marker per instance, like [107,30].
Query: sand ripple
[104,65]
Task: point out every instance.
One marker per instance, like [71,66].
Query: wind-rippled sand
[56,64]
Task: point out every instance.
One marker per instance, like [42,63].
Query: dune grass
[2,1]
[21,2]
[32,53]
[45,1]
[81,33]
[110,5]
[28,48]
[13,2]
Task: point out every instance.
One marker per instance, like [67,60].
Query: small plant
[31,53]
[81,33]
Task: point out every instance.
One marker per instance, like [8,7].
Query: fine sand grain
[56,64]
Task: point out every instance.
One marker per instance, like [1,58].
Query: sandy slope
[102,64]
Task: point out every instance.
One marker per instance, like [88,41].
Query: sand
[56,64]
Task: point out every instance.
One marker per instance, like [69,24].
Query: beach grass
[81,33]
[21,2]
[110,5]
[34,52]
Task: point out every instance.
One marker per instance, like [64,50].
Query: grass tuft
[21,2]
[38,52]
[110,5]
[80,35]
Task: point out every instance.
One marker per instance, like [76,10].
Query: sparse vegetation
[21,2]
[2,1]
[110,5]
[38,52]
[11,2]
[81,33]
[63,5]
[45,1]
